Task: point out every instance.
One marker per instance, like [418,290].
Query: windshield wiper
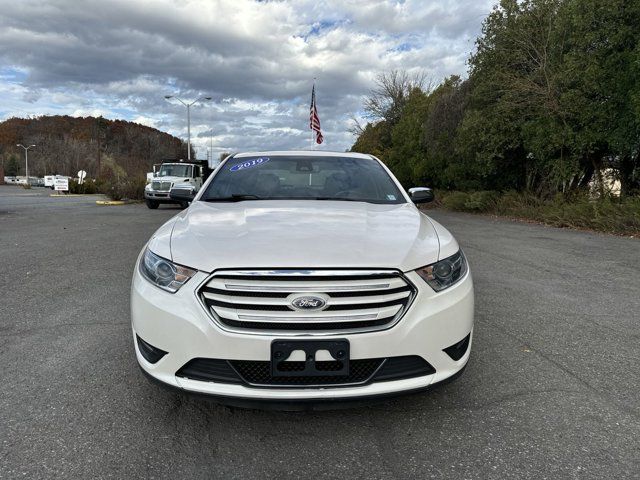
[235,197]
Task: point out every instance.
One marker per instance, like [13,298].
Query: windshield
[175,171]
[303,178]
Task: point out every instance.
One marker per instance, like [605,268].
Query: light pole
[188,105]
[26,160]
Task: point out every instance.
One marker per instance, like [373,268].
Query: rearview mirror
[182,194]
[421,195]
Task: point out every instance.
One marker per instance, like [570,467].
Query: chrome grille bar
[260,301]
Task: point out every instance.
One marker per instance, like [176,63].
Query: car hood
[302,234]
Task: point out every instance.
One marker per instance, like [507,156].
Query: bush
[88,187]
[26,186]
[482,201]
[455,201]
[126,189]
[613,215]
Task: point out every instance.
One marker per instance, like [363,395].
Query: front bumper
[177,324]
[163,197]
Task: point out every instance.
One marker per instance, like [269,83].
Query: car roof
[303,153]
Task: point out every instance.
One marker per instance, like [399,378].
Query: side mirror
[182,194]
[421,195]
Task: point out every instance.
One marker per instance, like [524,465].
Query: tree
[374,139]
[389,96]
[12,166]
[602,85]
[552,102]
[407,155]
[443,164]
[516,73]
[68,144]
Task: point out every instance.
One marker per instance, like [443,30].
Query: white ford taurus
[302,276]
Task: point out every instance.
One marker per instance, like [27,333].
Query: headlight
[443,274]
[163,273]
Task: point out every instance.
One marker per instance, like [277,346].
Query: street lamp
[188,105]
[26,160]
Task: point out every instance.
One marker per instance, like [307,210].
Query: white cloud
[142,120]
[256,59]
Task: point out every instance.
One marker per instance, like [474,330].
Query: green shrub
[113,190]
[455,201]
[88,187]
[125,189]
[513,203]
[611,215]
[481,201]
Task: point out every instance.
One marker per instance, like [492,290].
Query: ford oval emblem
[308,302]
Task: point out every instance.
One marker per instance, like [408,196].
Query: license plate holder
[282,349]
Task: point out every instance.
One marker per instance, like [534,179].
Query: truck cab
[169,174]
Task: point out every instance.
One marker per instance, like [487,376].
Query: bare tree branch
[387,99]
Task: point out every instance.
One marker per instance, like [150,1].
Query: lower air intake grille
[258,373]
[299,301]
[396,368]
[149,352]
[457,350]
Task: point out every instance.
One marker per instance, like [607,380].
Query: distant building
[605,182]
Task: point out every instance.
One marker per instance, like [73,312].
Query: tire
[152,204]
[184,205]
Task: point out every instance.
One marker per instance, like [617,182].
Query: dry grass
[611,215]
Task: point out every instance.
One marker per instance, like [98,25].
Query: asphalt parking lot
[551,391]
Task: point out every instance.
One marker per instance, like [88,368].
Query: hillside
[66,144]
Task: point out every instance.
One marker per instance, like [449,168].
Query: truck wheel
[152,204]
[184,205]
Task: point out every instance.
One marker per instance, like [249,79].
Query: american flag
[314,120]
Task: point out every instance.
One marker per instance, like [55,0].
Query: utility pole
[26,160]
[188,105]
[211,147]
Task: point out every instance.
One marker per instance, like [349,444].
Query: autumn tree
[11,166]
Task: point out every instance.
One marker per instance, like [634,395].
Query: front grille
[160,186]
[261,300]
[258,373]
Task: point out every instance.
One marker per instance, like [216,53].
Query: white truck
[170,174]
[49,181]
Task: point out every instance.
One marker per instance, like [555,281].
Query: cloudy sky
[257,59]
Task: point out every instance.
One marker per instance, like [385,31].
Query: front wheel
[184,205]
[152,204]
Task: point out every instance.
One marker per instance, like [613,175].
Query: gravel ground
[551,390]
